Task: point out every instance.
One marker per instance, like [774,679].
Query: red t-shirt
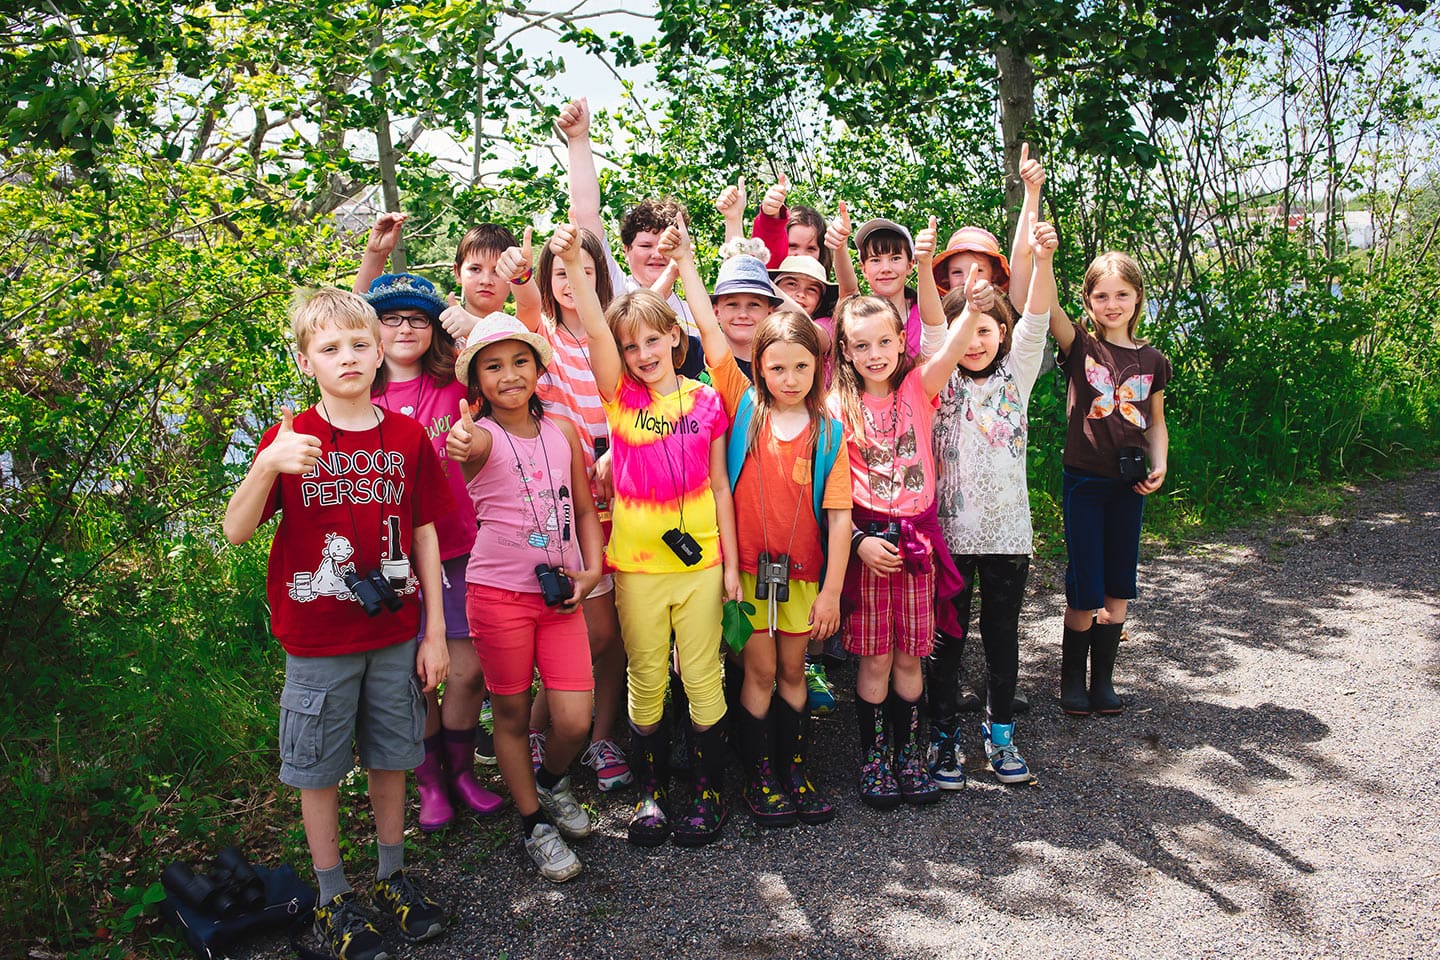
[355,509]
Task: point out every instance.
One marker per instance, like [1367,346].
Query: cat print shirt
[1109,400]
[892,464]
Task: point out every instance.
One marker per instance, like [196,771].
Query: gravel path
[1239,808]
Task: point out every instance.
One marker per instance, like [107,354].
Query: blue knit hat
[398,291]
[745,274]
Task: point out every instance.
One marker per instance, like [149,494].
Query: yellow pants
[652,606]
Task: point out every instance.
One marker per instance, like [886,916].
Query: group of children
[615,484]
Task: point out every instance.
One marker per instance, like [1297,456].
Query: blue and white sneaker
[947,768]
[1005,761]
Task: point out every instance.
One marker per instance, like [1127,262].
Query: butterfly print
[1112,399]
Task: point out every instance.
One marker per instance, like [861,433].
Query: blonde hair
[313,310]
[789,326]
[643,309]
[847,385]
[1114,264]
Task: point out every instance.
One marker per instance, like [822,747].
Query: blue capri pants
[1102,538]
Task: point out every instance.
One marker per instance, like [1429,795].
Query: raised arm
[604,354]
[1043,240]
[731,204]
[574,123]
[837,238]
[1044,235]
[928,292]
[675,243]
[517,265]
[935,371]
[769,224]
[384,235]
[1032,175]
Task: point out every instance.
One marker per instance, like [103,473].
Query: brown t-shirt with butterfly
[1109,400]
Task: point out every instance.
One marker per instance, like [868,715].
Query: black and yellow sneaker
[344,928]
[416,915]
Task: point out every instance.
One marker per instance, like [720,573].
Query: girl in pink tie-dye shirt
[672,545]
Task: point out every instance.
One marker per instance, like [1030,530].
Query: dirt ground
[1271,792]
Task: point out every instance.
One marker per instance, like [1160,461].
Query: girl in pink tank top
[537,555]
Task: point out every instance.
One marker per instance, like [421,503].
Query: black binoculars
[230,889]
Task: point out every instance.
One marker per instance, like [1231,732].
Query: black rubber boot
[706,811]
[764,792]
[650,762]
[1074,651]
[911,744]
[877,785]
[679,720]
[1104,644]
[792,732]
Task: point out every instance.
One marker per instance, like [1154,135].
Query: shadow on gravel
[1236,593]
[1156,815]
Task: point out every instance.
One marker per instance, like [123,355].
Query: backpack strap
[739,445]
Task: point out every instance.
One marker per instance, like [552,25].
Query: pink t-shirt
[892,463]
[662,474]
[524,507]
[435,405]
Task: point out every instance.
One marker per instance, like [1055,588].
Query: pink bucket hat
[974,240]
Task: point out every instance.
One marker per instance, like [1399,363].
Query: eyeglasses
[416,321]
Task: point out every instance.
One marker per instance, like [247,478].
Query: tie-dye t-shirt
[660,447]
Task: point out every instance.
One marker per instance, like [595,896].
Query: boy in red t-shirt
[358,492]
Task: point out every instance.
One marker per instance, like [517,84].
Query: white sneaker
[555,861]
[562,807]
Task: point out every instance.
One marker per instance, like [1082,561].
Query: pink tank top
[524,508]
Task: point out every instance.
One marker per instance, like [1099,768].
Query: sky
[584,75]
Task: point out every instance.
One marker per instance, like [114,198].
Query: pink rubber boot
[436,811]
[460,764]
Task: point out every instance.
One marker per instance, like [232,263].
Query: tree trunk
[385,146]
[1017,108]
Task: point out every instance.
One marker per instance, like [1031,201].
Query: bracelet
[529,272]
[856,538]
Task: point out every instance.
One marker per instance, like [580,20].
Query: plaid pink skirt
[893,613]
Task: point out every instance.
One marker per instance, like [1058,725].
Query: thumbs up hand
[837,232]
[1030,171]
[517,262]
[775,197]
[731,201]
[979,292]
[925,243]
[1043,238]
[675,242]
[459,440]
[292,452]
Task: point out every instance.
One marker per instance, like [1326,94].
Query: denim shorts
[373,697]
[1102,538]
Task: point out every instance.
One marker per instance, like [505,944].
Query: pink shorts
[893,613]
[520,633]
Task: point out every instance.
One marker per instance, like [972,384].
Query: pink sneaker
[611,771]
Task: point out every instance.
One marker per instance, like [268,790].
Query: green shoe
[817,686]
